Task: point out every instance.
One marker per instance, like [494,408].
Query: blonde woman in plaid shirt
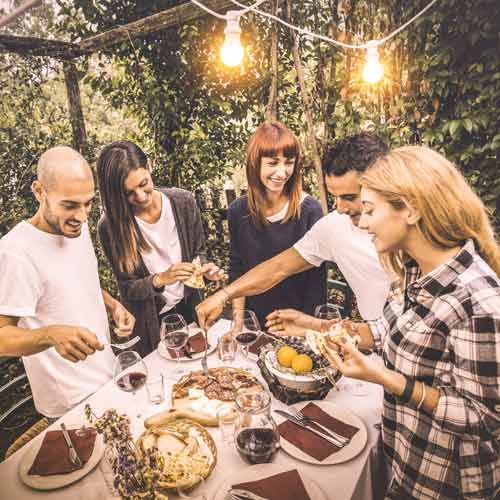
[440,330]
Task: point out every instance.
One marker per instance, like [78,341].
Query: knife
[320,433]
[73,455]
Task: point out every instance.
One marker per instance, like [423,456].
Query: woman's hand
[210,309]
[290,322]
[123,320]
[213,272]
[354,364]
[175,273]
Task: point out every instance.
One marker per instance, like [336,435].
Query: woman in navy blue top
[275,215]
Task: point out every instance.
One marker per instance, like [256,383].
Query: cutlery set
[314,426]
[238,494]
[73,455]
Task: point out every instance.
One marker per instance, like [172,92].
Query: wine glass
[130,374]
[174,333]
[246,330]
[328,313]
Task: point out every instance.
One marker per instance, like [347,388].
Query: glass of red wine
[246,330]
[174,333]
[130,373]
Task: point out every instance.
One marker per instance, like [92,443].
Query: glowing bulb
[373,70]
[232,51]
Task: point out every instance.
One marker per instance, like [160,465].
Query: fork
[125,345]
[238,494]
[304,418]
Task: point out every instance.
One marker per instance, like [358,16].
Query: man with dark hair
[335,238]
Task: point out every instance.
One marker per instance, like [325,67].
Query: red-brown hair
[271,139]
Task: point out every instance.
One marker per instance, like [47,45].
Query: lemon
[302,363]
[285,355]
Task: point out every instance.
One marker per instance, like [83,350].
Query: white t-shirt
[165,250]
[336,239]
[47,279]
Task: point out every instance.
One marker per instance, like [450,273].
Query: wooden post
[308,112]
[272,105]
[75,107]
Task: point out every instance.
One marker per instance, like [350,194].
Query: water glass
[226,417]
[156,389]
[226,348]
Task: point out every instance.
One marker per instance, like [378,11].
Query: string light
[232,51]
[373,71]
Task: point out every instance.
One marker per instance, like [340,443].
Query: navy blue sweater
[251,245]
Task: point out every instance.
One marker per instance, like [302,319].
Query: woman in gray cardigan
[150,237]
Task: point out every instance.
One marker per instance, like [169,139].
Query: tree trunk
[308,113]
[272,105]
[75,107]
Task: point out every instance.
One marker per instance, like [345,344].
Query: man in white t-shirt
[335,238]
[52,308]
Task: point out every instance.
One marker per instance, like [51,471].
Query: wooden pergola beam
[12,16]
[29,46]
[175,16]
[170,18]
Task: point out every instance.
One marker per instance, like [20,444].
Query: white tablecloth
[346,481]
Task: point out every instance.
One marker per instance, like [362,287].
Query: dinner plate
[348,452]
[163,351]
[57,480]
[261,471]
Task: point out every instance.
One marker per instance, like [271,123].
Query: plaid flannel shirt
[445,332]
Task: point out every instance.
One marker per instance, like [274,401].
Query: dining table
[360,478]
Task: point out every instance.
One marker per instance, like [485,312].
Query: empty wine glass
[329,314]
[130,374]
[246,330]
[174,333]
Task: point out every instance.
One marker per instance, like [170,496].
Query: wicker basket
[186,428]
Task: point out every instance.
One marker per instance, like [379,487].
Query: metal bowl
[310,382]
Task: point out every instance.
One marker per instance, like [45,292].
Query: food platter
[188,451]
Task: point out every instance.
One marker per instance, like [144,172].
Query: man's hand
[213,272]
[210,309]
[290,322]
[181,271]
[123,320]
[73,343]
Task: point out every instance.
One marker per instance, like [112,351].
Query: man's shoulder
[16,239]
[239,205]
[333,220]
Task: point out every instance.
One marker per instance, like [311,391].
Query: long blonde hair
[450,212]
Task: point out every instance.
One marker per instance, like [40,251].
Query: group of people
[408,234]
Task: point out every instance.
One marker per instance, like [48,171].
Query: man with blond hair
[52,308]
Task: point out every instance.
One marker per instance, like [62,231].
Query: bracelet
[408,391]
[228,297]
[422,399]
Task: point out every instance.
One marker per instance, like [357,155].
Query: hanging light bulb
[232,51]
[373,70]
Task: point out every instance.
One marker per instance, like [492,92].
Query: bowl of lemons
[298,366]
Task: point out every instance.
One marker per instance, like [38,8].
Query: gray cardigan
[136,289]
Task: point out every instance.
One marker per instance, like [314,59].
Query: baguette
[166,416]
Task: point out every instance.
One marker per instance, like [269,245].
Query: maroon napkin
[283,486]
[53,455]
[195,344]
[309,442]
[259,344]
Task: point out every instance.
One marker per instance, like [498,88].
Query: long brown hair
[270,139]
[450,212]
[126,240]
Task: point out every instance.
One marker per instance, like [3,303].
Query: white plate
[354,448]
[57,480]
[212,340]
[261,471]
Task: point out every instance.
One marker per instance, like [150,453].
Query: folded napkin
[284,486]
[195,344]
[53,455]
[309,442]
[259,344]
